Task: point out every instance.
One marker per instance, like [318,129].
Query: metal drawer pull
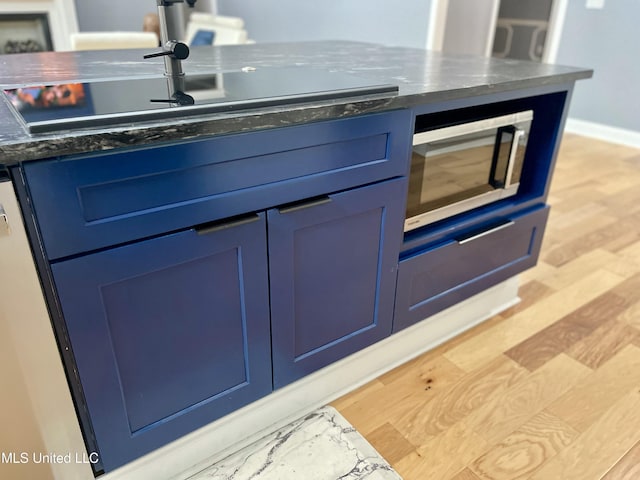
[236,222]
[486,232]
[314,202]
[4,223]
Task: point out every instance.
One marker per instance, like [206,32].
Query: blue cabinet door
[168,334]
[332,266]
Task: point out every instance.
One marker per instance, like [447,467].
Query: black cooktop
[55,107]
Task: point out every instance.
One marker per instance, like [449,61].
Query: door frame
[554,33]
[438,17]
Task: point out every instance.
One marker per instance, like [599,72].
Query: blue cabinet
[452,270]
[169,325]
[172,326]
[169,333]
[332,264]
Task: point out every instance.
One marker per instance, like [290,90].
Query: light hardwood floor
[549,389]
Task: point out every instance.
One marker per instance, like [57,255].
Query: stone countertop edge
[423,77]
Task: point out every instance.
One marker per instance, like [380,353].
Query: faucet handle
[178,98]
[177,50]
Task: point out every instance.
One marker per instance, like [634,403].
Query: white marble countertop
[319,446]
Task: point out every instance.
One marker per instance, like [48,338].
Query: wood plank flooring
[549,389]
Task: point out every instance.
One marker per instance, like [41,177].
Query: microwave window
[455,169]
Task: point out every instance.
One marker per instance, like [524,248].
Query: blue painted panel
[109,199]
[333,271]
[168,334]
[450,272]
[325,257]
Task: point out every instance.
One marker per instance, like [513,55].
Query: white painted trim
[607,133]
[492,28]
[196,451]
[554,32]
[24,315]
[437,24]
[63,19]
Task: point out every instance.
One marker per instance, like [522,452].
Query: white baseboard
[196,451]
[607,133]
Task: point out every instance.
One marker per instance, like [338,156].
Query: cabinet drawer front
[91,202]
[447,274]
[168,334]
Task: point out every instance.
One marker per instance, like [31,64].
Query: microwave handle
[517,135]
[4,223]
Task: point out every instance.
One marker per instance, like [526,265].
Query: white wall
[607,41]
[379,21]
[122,15]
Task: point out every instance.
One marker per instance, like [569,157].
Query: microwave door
[458,168]
[448,174]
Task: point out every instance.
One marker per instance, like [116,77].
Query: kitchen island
[205,268]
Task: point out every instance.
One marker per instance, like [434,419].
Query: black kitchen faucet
[173,50]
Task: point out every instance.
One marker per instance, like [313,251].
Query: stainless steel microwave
[461,167]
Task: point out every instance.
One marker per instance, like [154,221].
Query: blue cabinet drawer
[450,272]
[95,201]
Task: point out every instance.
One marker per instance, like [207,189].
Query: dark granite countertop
[423,77]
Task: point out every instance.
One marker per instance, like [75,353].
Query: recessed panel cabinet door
[332,264]
[168,334]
